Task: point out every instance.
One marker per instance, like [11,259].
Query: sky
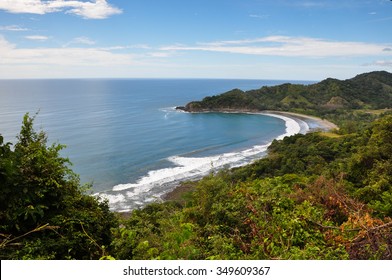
[245,39]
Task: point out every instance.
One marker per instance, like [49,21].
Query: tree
[45,213]
[372,167]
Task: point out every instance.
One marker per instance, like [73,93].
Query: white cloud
[259,16]
[140,46]
[37,38]
[12,28]
[5,46]
[11,55]
[96,9]
[159,54]
[310,4]
[126,47]
[89,60]
[80,41]
[100,9]
[382,63]
[288,47]
[84,40]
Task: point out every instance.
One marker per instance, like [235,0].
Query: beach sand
[322,124]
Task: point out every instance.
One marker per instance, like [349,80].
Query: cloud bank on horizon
[306,40]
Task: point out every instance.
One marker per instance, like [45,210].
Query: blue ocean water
[125,136]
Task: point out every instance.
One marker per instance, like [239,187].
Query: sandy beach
[323,124]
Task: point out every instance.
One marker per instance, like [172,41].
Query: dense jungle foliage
[315,196]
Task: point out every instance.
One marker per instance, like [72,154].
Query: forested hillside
[315,196]
[366,91]
[336,100]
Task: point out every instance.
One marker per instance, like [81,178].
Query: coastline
[322,124]
[313,124]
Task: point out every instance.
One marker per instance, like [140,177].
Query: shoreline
[313,124]
[323,124]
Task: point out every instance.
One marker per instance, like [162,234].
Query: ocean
[125,137]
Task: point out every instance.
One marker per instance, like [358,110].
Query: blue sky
[257,39]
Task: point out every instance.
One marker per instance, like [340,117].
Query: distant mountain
[370,91]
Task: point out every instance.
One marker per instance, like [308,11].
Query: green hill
[371,91]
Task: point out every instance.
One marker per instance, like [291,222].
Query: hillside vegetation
[313,197]
[366,91]
[336,100]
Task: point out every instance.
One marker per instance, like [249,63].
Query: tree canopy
[44,212]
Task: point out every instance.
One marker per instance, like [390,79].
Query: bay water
[125,137]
